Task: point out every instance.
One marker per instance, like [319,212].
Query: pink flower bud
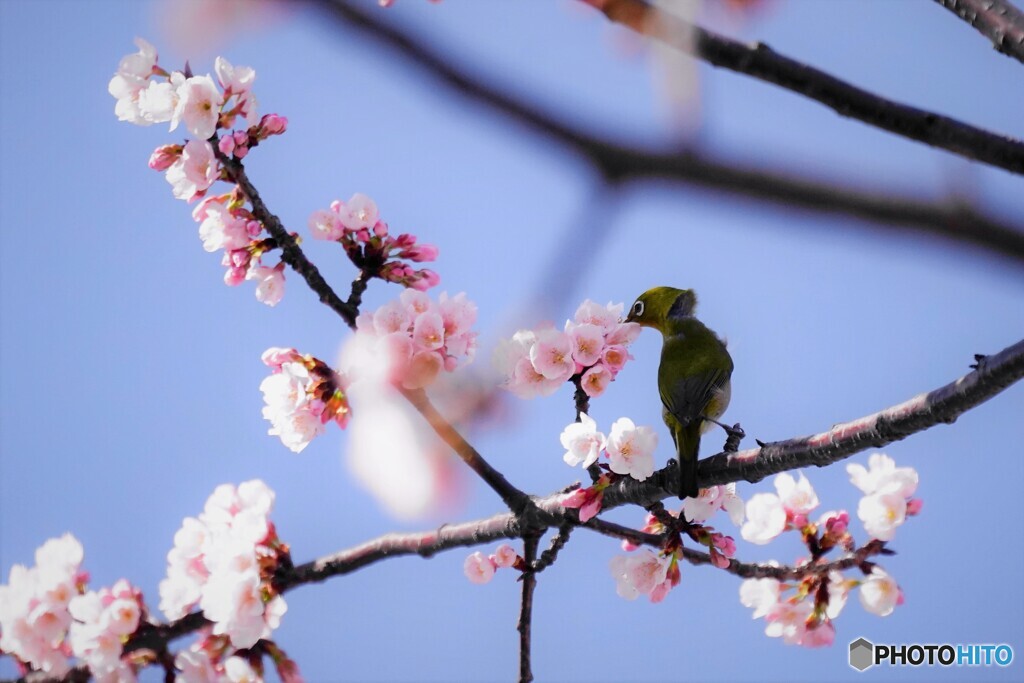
[254,228]
[163,157]
[380,229]
[914,506]
[234,277]
[226,145]
[272,124]
[423,252]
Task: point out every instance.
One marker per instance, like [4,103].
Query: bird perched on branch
[694,375]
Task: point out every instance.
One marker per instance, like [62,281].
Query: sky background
[129,372]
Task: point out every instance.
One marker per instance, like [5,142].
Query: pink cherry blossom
[325,225]
[761,595]
[198,108]
[587,343]
[766,518]
[157,102]
[712,499]
[236,80]
[879,593]
[428,331]
[788,621]
[631,449]
[588,501]
[269,283]
[883,475]
[645,573]
[479,568]
[582,442]
[220,230]
[194,172]
[551,355]
[505,556]
[881,513]
[593,313]
[821,634]
[358,212]
[595,380]
[164,156]
[798,497]
[423,369]
[614,357]
[623,334]
[130,80]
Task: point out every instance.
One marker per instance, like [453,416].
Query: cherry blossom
[102,620]
[647,573]
[883,475]
[479,568]
[411,341]
[590,349]
[223,562]
[582,442]
[194,171]
[879,593]
[34,605]
[302,394]
[712,499]
[504,556]
[631,449]
[766,518]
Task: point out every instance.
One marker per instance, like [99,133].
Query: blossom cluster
[411,339]
[888,495]
[647,573]
[629,448]
[480,568]
[146,94]
[886,504]
[34,606]
[102,620]
[223,561]
[302,394]
[212,659]
[357,226]
[592,346]
[801,612]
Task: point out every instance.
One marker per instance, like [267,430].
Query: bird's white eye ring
[638,308]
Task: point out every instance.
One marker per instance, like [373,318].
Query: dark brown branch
[763,63]
[548,557]
[515,499]
[949,219]
[291,254]
[941,406]
[997,20]
[529,580]
[744,570]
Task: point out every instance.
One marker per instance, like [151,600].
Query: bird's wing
[685,398]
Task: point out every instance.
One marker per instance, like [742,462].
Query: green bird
[694,374]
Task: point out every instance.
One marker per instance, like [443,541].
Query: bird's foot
[732,441]
[979,360]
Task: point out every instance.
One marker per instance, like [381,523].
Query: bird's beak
[630,318]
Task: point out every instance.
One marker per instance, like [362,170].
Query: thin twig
[941,406]
[744,570]
[763,63]
[950,219]
[291,254]
[548,557]
[515,499]
[529,579]
[997,20]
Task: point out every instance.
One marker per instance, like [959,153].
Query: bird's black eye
[638,308]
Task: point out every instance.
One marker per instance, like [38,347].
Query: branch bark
[949,219]
[529,579]
[763,63]
[997,20]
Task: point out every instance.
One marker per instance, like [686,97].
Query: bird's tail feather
[687,446]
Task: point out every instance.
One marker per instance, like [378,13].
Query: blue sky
[129,373]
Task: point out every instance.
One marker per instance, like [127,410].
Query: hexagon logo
[862,654]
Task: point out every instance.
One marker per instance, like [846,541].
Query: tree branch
[529,579]
[997,20]
[948,219]
[515,499]
[763,63]
[291,254]
[943,405]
